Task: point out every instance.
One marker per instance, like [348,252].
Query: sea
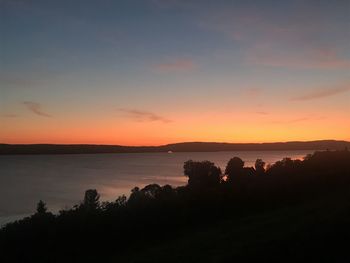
[61,180]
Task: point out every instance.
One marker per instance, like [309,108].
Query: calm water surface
[60,180]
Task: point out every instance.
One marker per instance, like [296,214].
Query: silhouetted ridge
[177,147]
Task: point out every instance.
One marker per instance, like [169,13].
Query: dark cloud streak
[36,108]
[140,115]
[9,115]
[322,93]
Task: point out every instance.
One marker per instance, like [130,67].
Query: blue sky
[115,64]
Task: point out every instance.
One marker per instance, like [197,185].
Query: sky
[151,72]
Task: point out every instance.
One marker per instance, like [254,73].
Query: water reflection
[61,180]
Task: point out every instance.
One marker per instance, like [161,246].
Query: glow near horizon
[157,72]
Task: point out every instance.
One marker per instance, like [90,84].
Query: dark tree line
[157,213]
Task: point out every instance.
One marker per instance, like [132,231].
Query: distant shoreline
[26,149]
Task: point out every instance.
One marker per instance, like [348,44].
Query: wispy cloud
[319,58]
[178,65]
[16,81]
[269,39]
[262,112]
[322,93]
[296,120]
[251,92]
[143,116]
[36,108]
[9,115]
[300,119]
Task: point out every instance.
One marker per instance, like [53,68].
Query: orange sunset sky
[157,72]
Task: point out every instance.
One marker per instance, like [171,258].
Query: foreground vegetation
[291,211]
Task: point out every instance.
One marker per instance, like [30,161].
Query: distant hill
[6,149]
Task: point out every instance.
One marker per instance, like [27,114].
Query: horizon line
[174,143]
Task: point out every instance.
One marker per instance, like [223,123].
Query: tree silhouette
[260,166]
[121,201]
[151,191]
[202,174]
[135,196]
[234,169]
[41,208]
[91,199]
